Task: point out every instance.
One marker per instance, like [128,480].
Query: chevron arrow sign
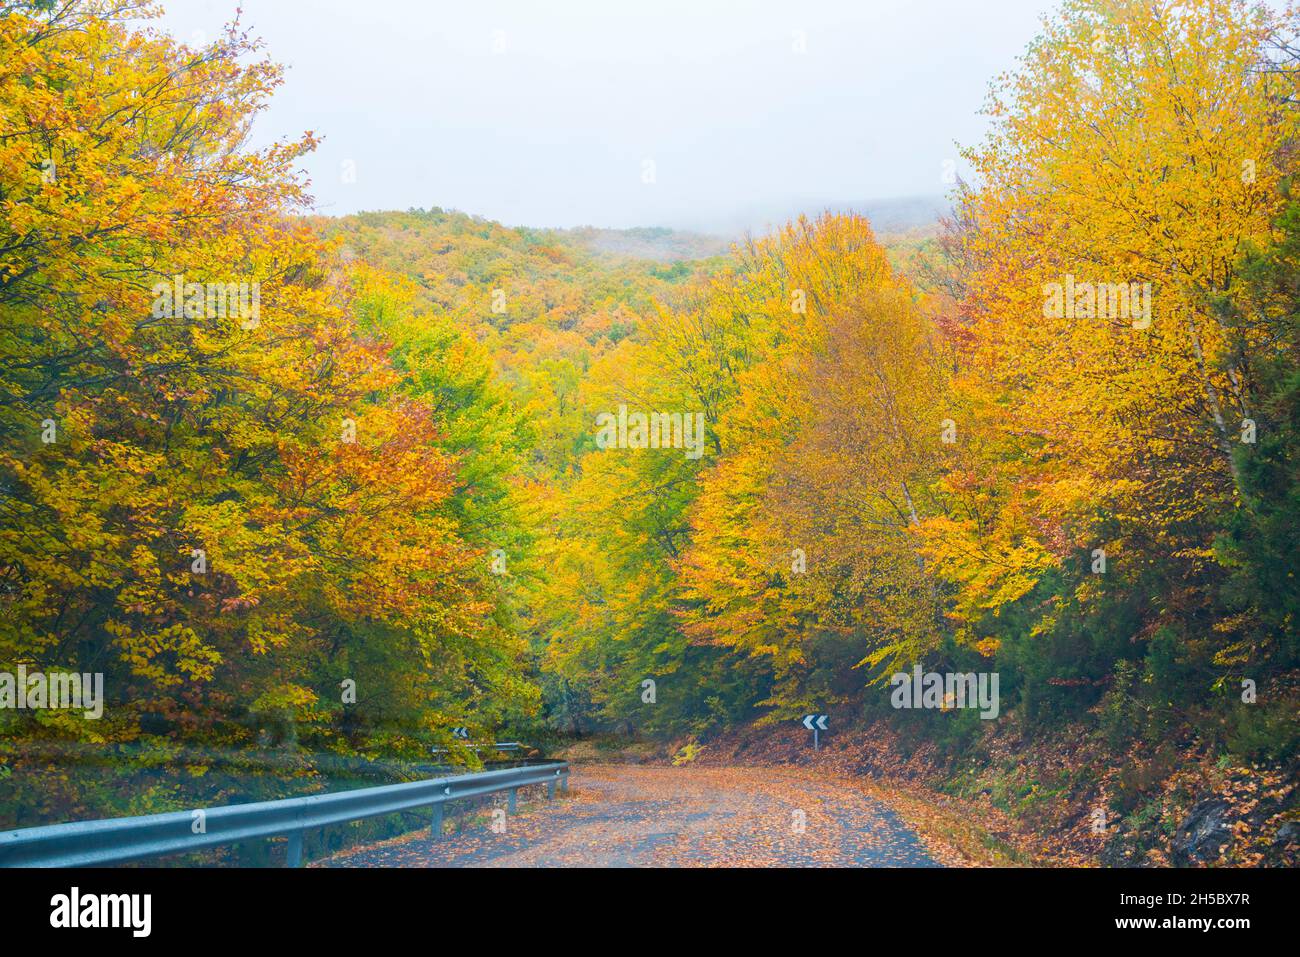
[815,722]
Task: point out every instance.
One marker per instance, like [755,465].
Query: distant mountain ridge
[909,219]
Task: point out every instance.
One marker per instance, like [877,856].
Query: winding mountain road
[639,816]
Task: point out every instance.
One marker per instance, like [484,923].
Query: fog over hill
[908,218]
[653,242]
[913,216]
[888,216]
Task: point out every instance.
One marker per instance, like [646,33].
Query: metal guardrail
[124,839]
[502,746]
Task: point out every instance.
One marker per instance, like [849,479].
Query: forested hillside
[1058,442]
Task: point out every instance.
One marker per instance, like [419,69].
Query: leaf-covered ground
[1022,798]
[675,817]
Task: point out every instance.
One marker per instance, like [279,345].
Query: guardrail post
[564,781]
[550,789]
[512,800]
[435,827]
[293,856]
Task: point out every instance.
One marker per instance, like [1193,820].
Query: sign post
[815,723]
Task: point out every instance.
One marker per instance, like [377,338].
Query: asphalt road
[637,816]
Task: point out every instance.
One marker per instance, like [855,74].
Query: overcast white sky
[546,113]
